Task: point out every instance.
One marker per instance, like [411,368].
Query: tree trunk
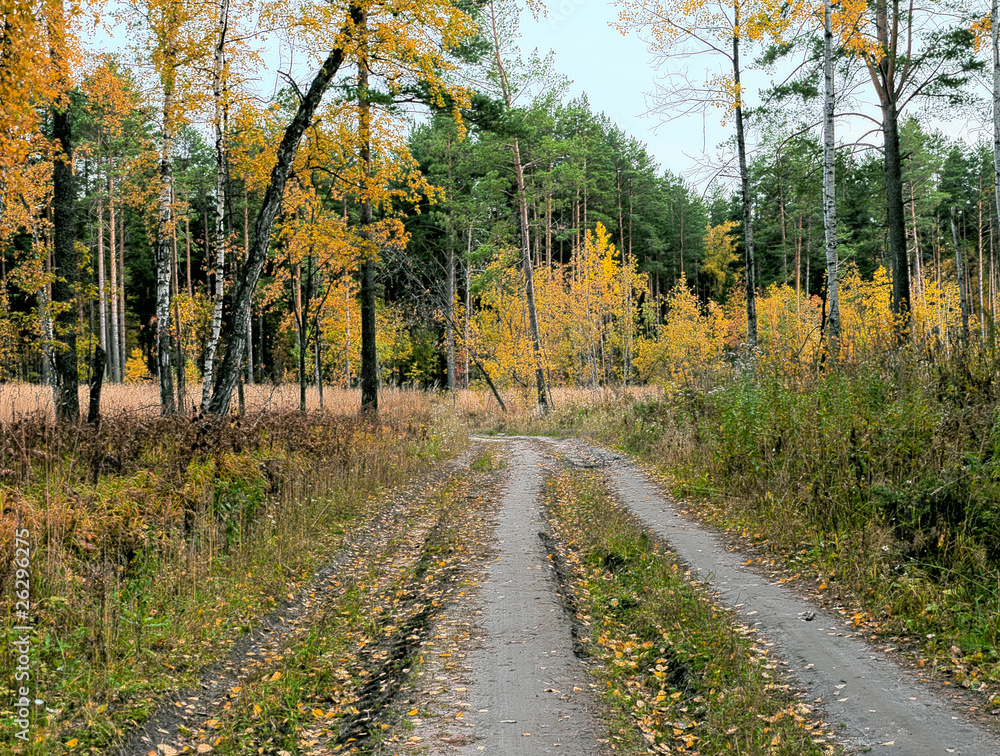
[301,306]
[468,309]
[895,218]
[995,40]
[369,354]
[798,261]
[162,251]
[96,383]
[529,282]
[993,281]
[65,396]
[894,212]
[45,314]
[234,331]
[982,315]
[175,292]
[781,214]
[829,189]
[319,360]
[187,248]
[116,361]
[747,201]
[220,199]
[960,270]
[450,312]
[522,201]
[548,227]
[121,297]
[917,256]
[347,336]
[102,304]
[246,256]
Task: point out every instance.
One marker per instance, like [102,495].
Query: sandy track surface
[883,708]
[528,691]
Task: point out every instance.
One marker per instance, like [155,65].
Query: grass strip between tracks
[677,675]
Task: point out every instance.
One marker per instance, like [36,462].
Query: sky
[617,74]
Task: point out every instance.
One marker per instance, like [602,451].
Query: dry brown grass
[22,400]
[156,535]
[522,404]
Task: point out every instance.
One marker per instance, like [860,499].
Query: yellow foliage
[788,328]
[981,29]
[690,340]
[720,251]
[136,370]
[587,316]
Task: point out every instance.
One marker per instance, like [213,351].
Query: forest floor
[454,623]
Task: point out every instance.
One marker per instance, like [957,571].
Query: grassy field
[21,400]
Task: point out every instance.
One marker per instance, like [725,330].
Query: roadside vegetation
[157,541]
[676,674]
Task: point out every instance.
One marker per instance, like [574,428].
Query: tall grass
[20,400]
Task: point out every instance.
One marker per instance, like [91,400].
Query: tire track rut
[883,708]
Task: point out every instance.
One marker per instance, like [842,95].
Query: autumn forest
[299,300]
[342,240]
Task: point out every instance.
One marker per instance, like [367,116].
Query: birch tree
[218,71]
[960,271]
[234,330]
[829,183]
[166,22]
[995,55]
[403,46]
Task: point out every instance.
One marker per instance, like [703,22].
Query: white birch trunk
[995,39]
[963,298]
[116,361]
[102,304]
[220,188]
[163,248]
[246,257]
[829,187]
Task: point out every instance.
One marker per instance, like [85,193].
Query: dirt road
[529,692]
[491,668]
